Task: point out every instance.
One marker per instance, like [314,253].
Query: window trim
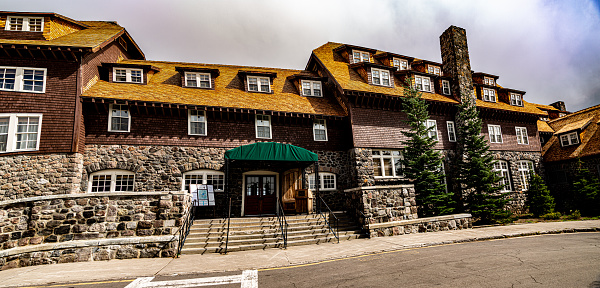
[362,58]
[113,179]
[489,96]
[499,131]
[13,122]
[516,99]
[190,111]
[315,129]
[204,173]
[197,76]
[128,78]
[20,81]
[312,88]
[489,81]
[523,134]
[256,126]
[430,132]
[522,176]
[258,78]
[26,26]
[381,158]
[322,181]
[501,174]
[110,116]
[567,135]
[381,71]
[422,78]
[451,131]
[446,87]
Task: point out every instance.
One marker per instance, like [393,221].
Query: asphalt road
[563,260]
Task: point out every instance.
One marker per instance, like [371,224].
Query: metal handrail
[188,221]
[228,222]
[283,225]
[329,222]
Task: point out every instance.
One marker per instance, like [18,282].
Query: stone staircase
[251,233]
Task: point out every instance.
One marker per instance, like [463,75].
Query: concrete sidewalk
[257,259]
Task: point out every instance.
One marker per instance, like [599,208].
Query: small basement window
[112,180]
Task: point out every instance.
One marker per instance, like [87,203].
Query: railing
[335,233]
[188,221]
[228,222]
[283,225]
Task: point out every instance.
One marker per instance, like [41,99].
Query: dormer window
[359,56]
[401,64]
[127,75]
[423,84]
[489,95]
[434,70]
[488,81]
[446,87]
[197,80]
[569,139]
[516,99]
[259,84]
[380,77]
[311,88]
[31,24]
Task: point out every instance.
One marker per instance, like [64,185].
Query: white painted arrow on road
[248,279]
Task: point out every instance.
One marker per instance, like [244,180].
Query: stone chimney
[560,105]
[456,63]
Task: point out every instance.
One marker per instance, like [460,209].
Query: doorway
[261,194]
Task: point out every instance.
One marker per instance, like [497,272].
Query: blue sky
[550,49]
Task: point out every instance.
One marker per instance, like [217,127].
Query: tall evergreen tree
[586,188]
[422,163]
[479,183]
[539,201]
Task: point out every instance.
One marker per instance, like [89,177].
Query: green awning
[271,151]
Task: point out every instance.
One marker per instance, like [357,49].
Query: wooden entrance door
[261,195]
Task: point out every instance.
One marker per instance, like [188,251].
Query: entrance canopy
[271,151]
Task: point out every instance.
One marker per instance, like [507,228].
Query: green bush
[575,215]
[551,216]
[539,200]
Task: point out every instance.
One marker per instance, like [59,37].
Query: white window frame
[128,77]
[12,131]
[203,123]
[488,81]
[268,120]
[495,133]
[568,139]
[522,137]
[524,166]
[113,173]
[380,78]
[451,131]
[322,176]
[319,124]
[198,77]
[110,117]
[501,167]
[25,26]
[433,132]
[489,95]
[259,85]
[516,99]
[420,80]
[446,87]
[363,56]
[313,86]
[19,84]
[204,173]
[393,156]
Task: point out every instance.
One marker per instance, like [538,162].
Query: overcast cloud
[551,49]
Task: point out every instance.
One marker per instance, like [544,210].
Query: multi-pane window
[432,133]
[495,133]
[525,167]
[23,79]
[401,64]
[423,84]
[311,88]
[207,177]
[522,137]
[488,81]
[20,132]
[359,56]
[516,99]
[451,131]
[501,167]
[434,70]
[263,126]
[112,180]
[119,118]
[387,163]
[446,87]
[198,80]
[326,181]
[489,95]
[380,77]
[259,84]
[31,24]
[569,139]
[320,130]
[130,75]
[196,122]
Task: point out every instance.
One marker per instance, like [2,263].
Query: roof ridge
[208,64]
[575,113]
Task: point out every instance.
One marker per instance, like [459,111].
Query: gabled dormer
[511,96]
[428,67]
[570,134]
[198,77]
[423,82]
[131,73]
[309,84]
[257,81]
[485,86]
[37,26]
[400,62]
[375,74]
[355,54]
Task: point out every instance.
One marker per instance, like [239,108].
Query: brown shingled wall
[509,136]
[109,54]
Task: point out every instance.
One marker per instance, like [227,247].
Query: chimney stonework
[456,63]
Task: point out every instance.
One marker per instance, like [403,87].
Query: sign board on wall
[203,195]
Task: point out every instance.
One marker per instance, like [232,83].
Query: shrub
[551,216]
[539,200]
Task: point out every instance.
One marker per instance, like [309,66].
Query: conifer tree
[586,188]
[479,183]
[539,201]
[422,163]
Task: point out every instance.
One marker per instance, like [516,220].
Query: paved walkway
[257,259]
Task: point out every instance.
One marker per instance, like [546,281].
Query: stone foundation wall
[516,202]
[335,162]
[422,225]
[381,204]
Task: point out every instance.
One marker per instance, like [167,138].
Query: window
[320,130]
[196,122]
[525,167]
[387,163]
[501,167]
[326,181]
[432,132]
[23,79]
[112,180]
[423,84]
[198,80]
[495,133]
[488,81]
[569,139]
[20,132]
[129,75]
[522,137]
[359,56]
[446,87]
[516,99]
[311,88]
[489,95]
[451,131]
[401,64]
[119,118]
[206,177]
[263,126]
[380,77]
[31,24]
[259,84]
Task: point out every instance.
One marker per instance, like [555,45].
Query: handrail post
[228,221]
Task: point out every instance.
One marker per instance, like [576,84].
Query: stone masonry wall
[381,204]
[517,196]
[422,225]
[335,162]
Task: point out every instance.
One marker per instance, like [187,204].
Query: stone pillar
[456,63]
